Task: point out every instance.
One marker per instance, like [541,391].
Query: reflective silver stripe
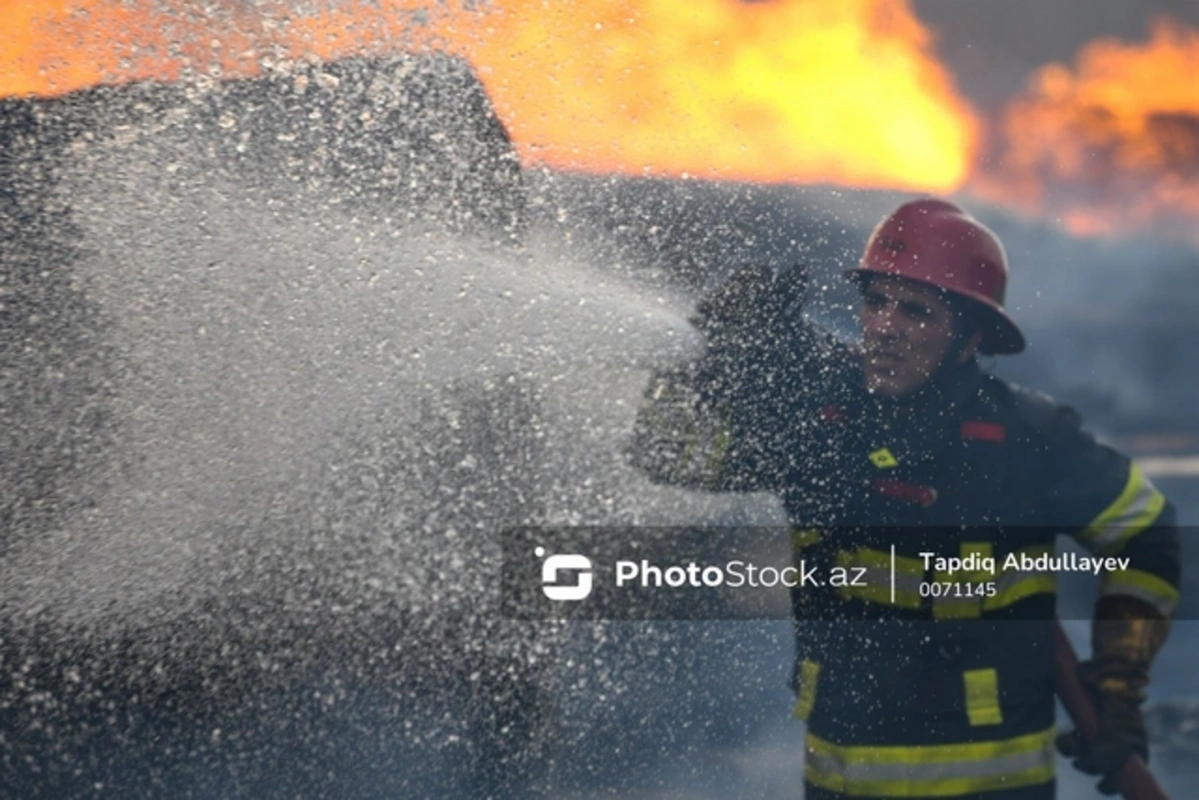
[1170,466]
[937,770]
[1133,511]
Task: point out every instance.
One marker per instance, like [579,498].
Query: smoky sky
[992,46]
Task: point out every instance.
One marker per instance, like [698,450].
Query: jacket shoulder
[811,366]
[1034,413]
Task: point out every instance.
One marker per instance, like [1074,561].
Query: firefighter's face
[907,331]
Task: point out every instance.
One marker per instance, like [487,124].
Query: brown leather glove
[1126,636]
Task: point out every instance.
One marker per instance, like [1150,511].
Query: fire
[1110,145]
[787,91]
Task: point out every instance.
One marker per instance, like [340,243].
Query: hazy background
[271,381]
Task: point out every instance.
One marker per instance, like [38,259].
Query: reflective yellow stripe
[1011,586]
[982,550]
[690,443]
[909,573]
[720,444]
[805,537]
[931,771]
[1144,586]
[982,696]
[1138,505]
[809,674]
[964,603]
[1014,585]
[1022,585]
[878,559]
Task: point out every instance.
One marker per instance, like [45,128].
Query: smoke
[1105,321]
[992,48]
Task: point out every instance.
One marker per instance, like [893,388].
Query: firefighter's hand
[1125,637]
[1121,734]
[755,300]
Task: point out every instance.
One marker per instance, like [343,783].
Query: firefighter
[905,440]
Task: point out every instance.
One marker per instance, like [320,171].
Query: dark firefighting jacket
[952,694]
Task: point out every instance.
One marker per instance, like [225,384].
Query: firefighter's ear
[970,347]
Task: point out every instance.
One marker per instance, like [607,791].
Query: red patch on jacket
[984,431]
[902,490]
[833,414]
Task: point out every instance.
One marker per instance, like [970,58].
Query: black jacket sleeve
[1120,510]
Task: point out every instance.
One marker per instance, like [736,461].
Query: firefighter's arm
[679,437]
[1125,516]
[1113,509]
[1128,517]
[702,425]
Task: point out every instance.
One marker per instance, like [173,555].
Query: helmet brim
[1001,335]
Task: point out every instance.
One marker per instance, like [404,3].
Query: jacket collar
[925,422]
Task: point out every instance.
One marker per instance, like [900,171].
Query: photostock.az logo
[554,567]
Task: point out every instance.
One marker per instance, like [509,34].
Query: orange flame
[1112,145]
[785,91]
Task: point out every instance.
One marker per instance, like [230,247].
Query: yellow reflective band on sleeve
[809,674]
[876,578]
[1138,505]
[667,411]
[883,459]
[720,444]
[688,444]
[702,459]
[982,696]
[805,537]
[931,771]
[980,549]
[1014,585]
[1144,586]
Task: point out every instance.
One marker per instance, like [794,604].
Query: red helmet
[937,243]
